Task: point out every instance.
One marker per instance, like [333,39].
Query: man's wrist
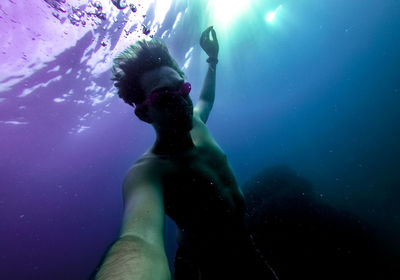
[212,60]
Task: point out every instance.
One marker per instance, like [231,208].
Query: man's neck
[173,143]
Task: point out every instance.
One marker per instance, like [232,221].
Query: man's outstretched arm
[207,95]
[139,253]
[132,258]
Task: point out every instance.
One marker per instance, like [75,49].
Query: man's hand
[210,47]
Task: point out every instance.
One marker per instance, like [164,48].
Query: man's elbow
[203,111]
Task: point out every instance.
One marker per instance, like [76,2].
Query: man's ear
[142,113]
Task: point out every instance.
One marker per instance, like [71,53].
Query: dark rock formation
[302,237]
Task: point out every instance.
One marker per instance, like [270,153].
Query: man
[185,175]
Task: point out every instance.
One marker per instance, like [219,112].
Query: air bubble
[74,19]
[120,4]
[97,5]
[145,30]
[133,8]
[56,15]
[101,15]
[61,9]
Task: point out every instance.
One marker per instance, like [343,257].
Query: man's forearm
[132,258]
[208,91]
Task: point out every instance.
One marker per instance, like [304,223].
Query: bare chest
[200,188]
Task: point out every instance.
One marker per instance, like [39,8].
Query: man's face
[173,111]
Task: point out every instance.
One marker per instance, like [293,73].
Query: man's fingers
[204,36]
[201,40]
[208,29]
[206,33]
[214,35]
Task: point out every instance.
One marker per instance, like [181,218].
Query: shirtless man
[185,175]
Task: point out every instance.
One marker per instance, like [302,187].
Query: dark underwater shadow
[302,237]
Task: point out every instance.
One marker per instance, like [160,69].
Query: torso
[199,189]
[201,195]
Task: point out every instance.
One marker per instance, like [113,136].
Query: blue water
[317,90]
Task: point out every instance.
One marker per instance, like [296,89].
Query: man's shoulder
[203,138]
[144,177]
[148,165]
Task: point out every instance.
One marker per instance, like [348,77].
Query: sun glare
[226,11]
[271,15]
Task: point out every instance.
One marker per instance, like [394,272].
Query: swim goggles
[162,95]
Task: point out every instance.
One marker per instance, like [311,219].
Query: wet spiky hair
[141,57]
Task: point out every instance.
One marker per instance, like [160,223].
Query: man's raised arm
[139,253]
[207,95]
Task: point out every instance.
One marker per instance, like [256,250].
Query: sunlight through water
[271,15]
[226,11]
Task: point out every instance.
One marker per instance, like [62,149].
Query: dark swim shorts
[209,260]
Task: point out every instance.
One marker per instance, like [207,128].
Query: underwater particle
[127,32]
[145,30]
[120,4]
[104,44]
[21,216]
[133,8]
